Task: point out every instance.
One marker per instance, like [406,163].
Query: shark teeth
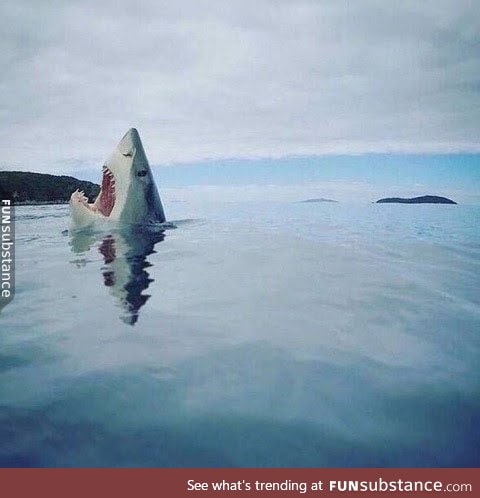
[106,171]
[106,200]
[80,196]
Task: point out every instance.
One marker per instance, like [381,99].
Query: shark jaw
[106,198]
[128,193]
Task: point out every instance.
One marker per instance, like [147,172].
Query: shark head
[128,193]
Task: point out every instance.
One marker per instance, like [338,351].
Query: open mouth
[106,201]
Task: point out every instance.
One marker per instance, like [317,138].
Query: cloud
[210,80]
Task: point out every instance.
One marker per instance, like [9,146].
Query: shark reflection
[125,264]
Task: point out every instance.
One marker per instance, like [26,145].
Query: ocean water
[254,334]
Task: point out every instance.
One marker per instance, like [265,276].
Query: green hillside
[25,188]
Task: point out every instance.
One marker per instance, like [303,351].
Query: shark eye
[128,154]
[142,173]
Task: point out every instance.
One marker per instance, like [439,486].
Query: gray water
[253,334]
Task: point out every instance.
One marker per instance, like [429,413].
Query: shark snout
[130,141]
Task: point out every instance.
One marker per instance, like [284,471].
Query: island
[23,187]
[424,199]
[318,199]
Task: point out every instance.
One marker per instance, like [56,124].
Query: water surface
[254,334]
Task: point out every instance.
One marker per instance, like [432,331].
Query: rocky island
[318,199]
[424,199]
[38,188]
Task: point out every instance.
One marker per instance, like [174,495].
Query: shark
[128,194]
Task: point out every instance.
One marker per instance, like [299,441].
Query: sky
[356,95]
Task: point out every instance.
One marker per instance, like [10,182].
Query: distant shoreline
[25,188]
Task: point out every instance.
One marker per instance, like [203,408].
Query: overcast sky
[236,79]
